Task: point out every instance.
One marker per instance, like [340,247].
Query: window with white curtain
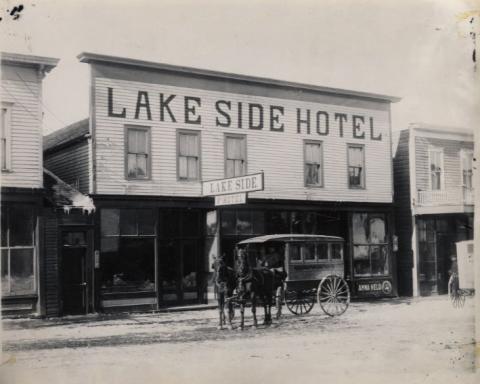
[138,152]
[189,155]
[467,168]
[235,156]
[313,163]
[435,156]
[356,166]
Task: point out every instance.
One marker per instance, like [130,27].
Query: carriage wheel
[456,295]
[299,302]
[333,295]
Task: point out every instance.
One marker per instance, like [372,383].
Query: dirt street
[403,341]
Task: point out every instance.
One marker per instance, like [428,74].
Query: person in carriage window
[274,261]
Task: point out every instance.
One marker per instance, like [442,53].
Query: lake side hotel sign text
[254,116]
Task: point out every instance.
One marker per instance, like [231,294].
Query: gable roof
[66,135]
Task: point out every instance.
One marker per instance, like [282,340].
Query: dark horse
[252,284]
[225,283]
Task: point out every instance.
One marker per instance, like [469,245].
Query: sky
[418,50]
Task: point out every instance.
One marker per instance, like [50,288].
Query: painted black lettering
[122,114]
[342,117]
[356,127]
[301,121]
[326,125]
[275,113]
[251,108]
[239,115]
[190,110]
[227,121]
[142,102]
[372,135]
[164,106]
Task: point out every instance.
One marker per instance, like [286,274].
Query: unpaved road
[402,341]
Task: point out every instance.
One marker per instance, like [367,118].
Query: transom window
[18,251]
[138,152]
[5,138]
[313,164]
[188,155]
[235,156]
[356,166]
[436,168]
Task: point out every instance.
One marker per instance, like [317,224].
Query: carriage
[461,282]
[314,265]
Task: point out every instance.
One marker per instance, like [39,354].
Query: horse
[252,284]
[225,283]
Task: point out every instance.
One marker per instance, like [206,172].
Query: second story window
[138,152]
[467,169]
[235,156]
[5,139]
[436,168]
[356,166]
[189,155]
[313,164]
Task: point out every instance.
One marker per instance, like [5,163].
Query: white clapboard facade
[156,132]
[21,179]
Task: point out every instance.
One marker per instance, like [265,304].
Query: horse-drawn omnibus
[314,266]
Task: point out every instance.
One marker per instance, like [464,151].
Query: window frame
[148,130]
[191,132]
[463,154]
[9,248]
[363,179]
[8,137]
[245,153]
[321,178]
[432,149]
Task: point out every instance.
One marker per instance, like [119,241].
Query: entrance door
[74,253]
[179,271]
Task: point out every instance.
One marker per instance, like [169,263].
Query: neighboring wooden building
[22,181]
[156,131]
[434,200]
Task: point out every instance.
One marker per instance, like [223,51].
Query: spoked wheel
[456,295]
[333,295]
[299,302]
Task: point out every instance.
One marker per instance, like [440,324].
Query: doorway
[75,265]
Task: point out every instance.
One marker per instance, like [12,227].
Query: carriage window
[295,252]
[337,250]
[308,252]
[322,251]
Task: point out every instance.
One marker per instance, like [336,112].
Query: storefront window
[127,250]
[243,222]
[370,248]
[18,251]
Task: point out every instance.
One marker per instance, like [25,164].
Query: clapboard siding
[279,154]
[403,214]
[71,164]
[21,91]
[451,159]
[51,265]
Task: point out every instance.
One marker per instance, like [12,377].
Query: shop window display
[370,247]
[18,251]
[127,250]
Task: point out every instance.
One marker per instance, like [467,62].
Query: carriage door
[75,252]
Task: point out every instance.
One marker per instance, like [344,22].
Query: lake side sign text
[241,184]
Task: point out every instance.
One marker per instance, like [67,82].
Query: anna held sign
[242,184]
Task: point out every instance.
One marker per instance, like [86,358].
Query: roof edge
[89,58]
[48,63]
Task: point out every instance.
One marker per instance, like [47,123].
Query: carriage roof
[288,238]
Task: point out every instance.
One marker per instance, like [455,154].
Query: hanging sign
[237,198]
[233,185]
